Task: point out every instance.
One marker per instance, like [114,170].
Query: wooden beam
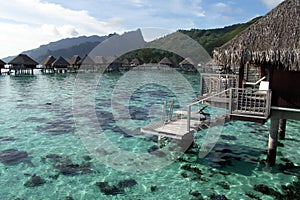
[241,75]
[273,141]
[282,128]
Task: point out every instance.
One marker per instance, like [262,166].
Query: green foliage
[151,55]
[213,38]
[209,39]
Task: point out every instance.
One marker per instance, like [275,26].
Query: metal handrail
[202,102]
[209,97]
[256,83]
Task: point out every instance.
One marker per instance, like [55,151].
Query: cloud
[271,3]
[26,24]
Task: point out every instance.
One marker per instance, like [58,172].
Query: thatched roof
[272,40]
[86,60]
[136,61]
[113,59]
[2,63]
[23,59]
[60,62]
[74,60]
[126,62]
[187,61]
[48,61]
[100,60]
[165,61]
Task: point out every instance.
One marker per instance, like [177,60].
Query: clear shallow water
[37,117]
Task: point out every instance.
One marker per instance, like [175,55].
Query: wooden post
[273,141]
[163,115]
[282,128]
[188,118]
[241,75]
[230,101]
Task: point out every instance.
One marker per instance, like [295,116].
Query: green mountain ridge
[213,38]
[209,39]
[181,43]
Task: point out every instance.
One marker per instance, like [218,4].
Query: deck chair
[263,87]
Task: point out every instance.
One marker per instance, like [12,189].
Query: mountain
[180,43]
[66,47]
[213,38]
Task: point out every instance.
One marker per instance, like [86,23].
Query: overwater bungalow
[100,61]
[47,64]
[2,65]
[166,61]
[187,65]
[114,63]
[136,62]
[22,64]
[74,63]
[60,65]
[267,56]
[87,64]
[267,53]
[125,64]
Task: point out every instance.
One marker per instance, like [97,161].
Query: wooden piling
[273,141]
[282,128]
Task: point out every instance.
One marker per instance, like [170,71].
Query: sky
[27,24]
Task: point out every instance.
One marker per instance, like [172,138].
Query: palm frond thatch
[23,59]
[74,60]
[86,60]
[60,62]
[187,61]
[48,61]
[2,63]
[272,40]
[166,61]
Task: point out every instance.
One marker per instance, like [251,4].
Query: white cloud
[26,24]
[271,3]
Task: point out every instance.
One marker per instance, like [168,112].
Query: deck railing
[241,101]
[250,102]
[203,101]
[215,83]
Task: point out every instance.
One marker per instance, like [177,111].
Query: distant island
[82,45]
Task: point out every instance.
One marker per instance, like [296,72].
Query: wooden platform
[176,129]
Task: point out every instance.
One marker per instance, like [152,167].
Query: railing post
[268,102]
[188,118]
[230,101]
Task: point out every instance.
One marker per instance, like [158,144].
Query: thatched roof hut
[125,62]
[22,61]
[47,63]
[74,60]
[166,61]
[86,60]
[100,60]
[136,62]
[2,64]
[274,40]
[60,63]
[187,61]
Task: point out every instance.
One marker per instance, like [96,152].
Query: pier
[183,124]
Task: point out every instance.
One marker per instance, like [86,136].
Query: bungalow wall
[252,73]
[285,88]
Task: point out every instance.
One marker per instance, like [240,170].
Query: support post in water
[188,118]
[273,141]
[282,128]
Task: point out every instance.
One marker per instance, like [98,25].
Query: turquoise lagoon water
[52,116]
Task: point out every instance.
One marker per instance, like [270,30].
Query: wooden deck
[177,128]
